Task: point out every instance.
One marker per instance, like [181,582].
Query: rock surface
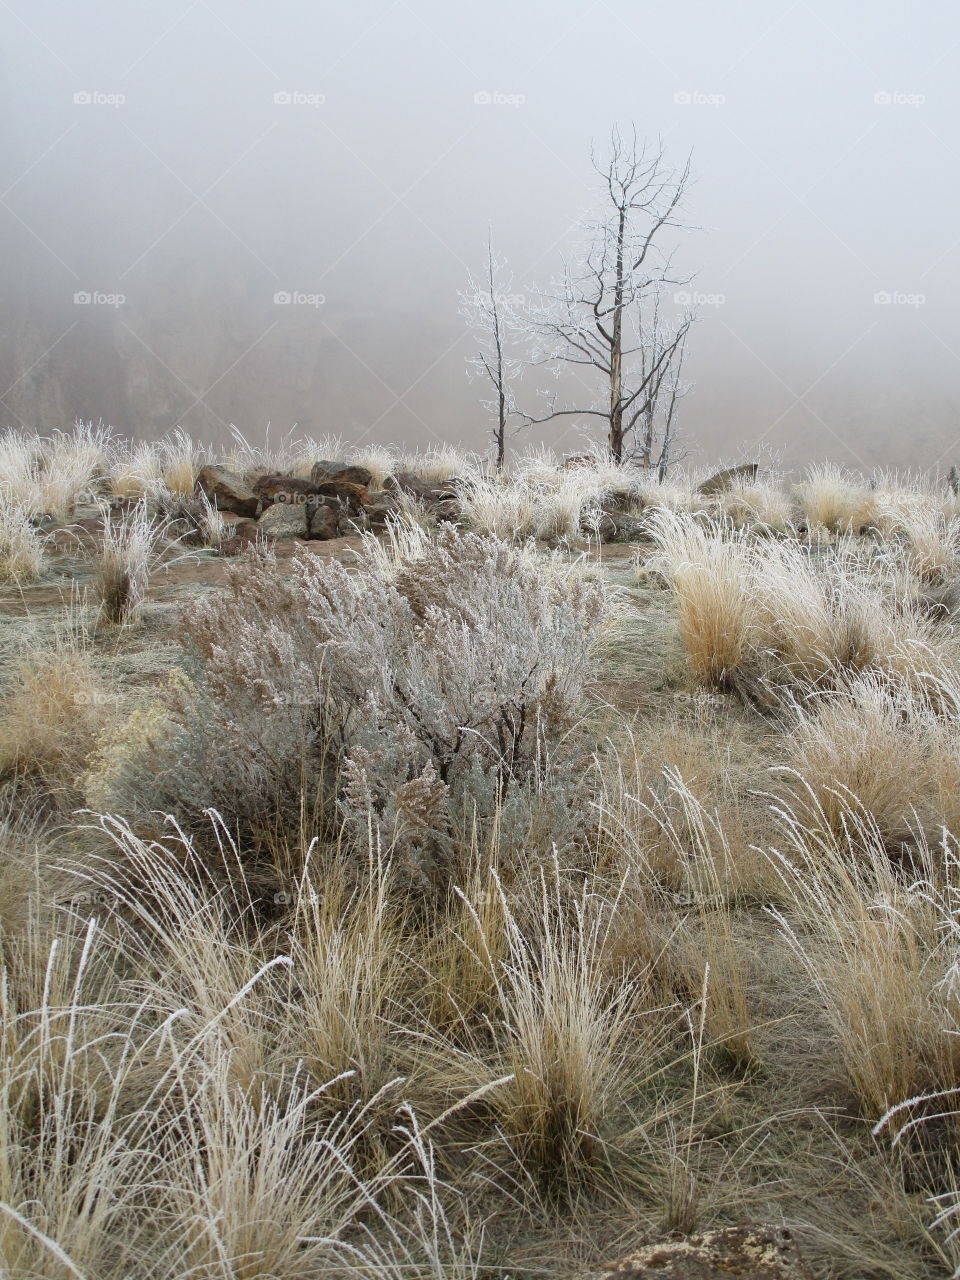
[749,1251]
[324,471]
[322,522]
[726,479]
[283,520]
[617,526]
[352,497]
[227,490]
[234,546]
[288,489]
[417,487]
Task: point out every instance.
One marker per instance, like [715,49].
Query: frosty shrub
[398,705]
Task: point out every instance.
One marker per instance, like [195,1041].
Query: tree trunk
[501,424]
[616,351]
[615,438]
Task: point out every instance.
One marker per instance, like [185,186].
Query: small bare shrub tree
[489,307]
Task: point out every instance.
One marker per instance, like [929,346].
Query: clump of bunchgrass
[22,554]
[130,547]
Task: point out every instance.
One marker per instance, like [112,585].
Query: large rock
[349,472]
[288,489]
[617,526]
[227,490]
[380,507]
[351,497]
[442,499]
[417,487]
[322,522]
[746,1252]
[234,546]
[284,520]
[726,479]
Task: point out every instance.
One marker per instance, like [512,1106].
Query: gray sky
[147,155]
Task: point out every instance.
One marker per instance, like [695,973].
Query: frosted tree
[605,313]
[490,307]
[652,435]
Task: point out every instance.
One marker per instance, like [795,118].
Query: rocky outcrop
[227,490]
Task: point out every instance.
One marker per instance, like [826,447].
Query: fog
[183,163]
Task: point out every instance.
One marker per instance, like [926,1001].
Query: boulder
[616,526]
[378,513]
[349,472]
[227,490]
[750,1251]
[726,479]
[351,497]
[618,499]
[322,522]
[288,489]
[417,487]
[245,529]
[234,546]
[284,520]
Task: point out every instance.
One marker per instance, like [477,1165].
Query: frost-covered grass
[22,556]
[511,906]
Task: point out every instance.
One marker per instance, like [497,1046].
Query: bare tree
[594,317]
[655,433]
[491,309]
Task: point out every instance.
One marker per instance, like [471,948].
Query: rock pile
[749,1252]
[336,501]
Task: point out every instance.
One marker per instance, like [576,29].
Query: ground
[773,1132]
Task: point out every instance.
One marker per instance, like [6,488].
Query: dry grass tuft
[832,499]
[709,569]
[878,958]
[881,750]
[50,718]
[22,556]
[129,550]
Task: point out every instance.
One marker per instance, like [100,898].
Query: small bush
[406,703]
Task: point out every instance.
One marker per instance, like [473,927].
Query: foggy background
[195,158]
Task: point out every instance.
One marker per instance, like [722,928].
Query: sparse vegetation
[454,891]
